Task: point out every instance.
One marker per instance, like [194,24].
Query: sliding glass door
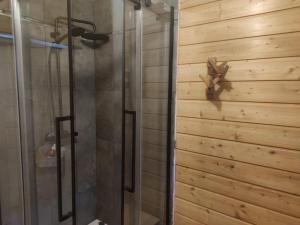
[148,109]
[86,99]
[11,207]
[45,113]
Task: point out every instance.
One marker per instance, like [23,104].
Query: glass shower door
[46,127]
[11,207]
[62,82]
[148,104]
[65,81]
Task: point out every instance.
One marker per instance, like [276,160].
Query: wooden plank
[154,182]
[155,137]
[259,155]
[5,24]
[154,121]
[182,220]
[263,113]
[156,40]
[249,70]
[204,215]
[156,57]
[155,152]
[156,90]
[232,207]
[155,106]
[154,167]
[264,91]
[153,197]
[152,209]
[190,3]
[229,9]
[264,197]
[280,137]
[265,24]
[258,175]
[282,45]
[158,74]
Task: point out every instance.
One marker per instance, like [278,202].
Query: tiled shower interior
[98,110]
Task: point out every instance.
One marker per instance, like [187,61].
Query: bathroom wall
[238,159]
[85,114]
[109,111]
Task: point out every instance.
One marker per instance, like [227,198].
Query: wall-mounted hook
[215,74]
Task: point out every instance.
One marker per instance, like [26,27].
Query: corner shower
[87,112]
[47,152]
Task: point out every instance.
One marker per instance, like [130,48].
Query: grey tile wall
[109,67]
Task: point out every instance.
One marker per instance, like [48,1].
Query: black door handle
[132,186]
[1,222]
[61,217]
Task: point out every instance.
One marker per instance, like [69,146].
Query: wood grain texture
[155,152]
[281,137]
[153,182]
[257,175]
[156,57]
[153,197]
[204,215]
[266,91]
[272,46]
[189,3]
[155,90]
[264,24]
[183,220]
[229,9]
[255,154]
[153,121]
[250,112]
[237,154]
[155,106]
[157,74]
[247,70]
[154,167]
[232,207]
[257,195]
[156,40]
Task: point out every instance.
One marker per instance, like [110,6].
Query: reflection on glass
[147,205]
[10,151]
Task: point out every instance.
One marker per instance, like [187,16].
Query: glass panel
[130,196]
[156,24]
[11,207]
[43,81]
[147,95]
[98,74]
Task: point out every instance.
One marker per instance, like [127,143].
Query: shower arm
[63,20]
[59,20]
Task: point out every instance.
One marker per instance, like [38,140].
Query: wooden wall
[238,156]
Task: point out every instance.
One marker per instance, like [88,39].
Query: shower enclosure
[87,111]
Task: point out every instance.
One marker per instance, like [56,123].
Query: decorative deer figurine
[216,73]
